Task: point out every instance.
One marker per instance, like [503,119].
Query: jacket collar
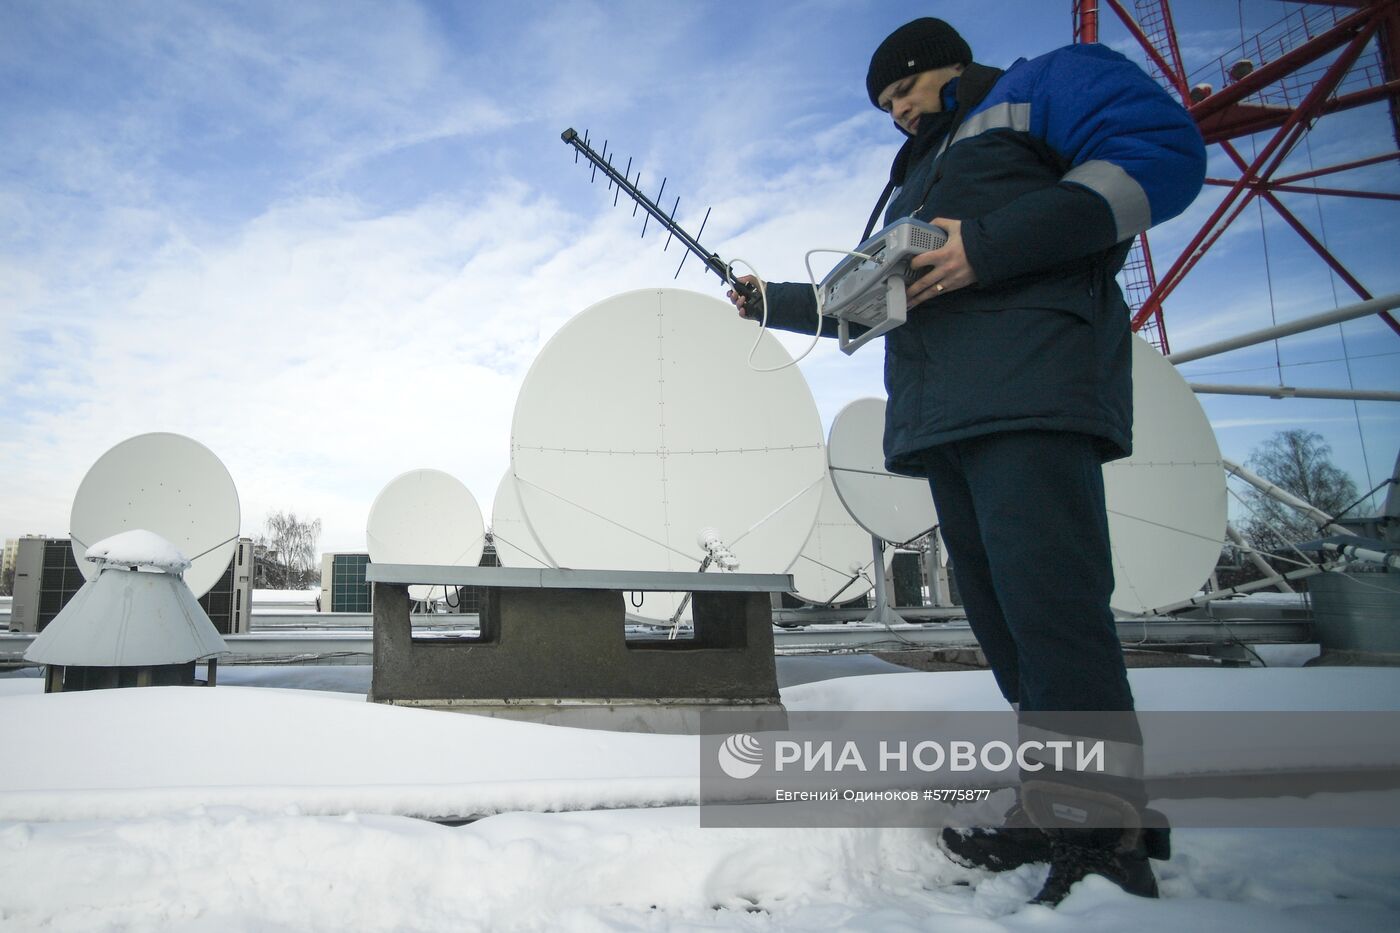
[973,84]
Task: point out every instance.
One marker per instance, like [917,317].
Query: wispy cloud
[329,240]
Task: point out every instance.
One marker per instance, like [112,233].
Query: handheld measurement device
[867,287]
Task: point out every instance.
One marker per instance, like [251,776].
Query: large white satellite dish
[640,425]
[516,547]
[425,517]
[168,485]
[893,508]
[515,542]
[836,563]
[1166,503]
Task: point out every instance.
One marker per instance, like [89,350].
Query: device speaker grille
[926,240]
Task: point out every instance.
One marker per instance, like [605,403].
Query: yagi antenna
[603,162]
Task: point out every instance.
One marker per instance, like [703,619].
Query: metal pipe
[1352,552]
[1337,192]
[1363,395]
[1087,21]
[1272,575]
[1345,313]
[1309,189]
[882,614]
[1333,169]
[1197,601]
[1282,495]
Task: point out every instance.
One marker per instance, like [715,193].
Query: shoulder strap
[879,206]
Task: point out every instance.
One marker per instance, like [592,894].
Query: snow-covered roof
[307,597]
[127,618]
[297,771]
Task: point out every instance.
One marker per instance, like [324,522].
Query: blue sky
[327,239]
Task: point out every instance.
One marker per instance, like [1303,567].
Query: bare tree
[286,554]
[1300,462]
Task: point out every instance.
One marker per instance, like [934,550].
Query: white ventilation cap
[126,618]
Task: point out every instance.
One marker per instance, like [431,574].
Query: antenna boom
[711,260]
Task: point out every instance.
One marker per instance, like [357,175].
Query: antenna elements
[603,162]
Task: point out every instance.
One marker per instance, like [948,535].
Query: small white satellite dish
[169,485]
[425,517]
[1166,503]
[640,425]
[836,563]
[893,508]
[515,542]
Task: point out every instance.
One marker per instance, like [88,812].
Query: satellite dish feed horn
[716,553]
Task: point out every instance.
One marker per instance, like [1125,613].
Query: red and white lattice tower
[1321,57]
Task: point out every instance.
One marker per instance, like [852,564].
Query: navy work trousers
[1022,514]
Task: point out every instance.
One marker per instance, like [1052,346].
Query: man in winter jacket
[1010,385]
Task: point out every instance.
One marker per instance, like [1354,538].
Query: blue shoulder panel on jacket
[1119,134]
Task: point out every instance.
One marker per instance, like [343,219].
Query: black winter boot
[1118,856]
[1014,843]
[1116,841]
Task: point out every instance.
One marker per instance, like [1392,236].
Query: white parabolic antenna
[425,517]
[837,562]
[893,508]
[515,542]
[169,485]
[1166,503]
[516,547]
[640,425]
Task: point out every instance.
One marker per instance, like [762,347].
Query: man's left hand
[948,267]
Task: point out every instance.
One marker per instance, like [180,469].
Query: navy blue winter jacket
[1053,166]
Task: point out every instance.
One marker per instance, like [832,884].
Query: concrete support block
[553,646]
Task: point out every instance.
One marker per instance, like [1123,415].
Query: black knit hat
[921,45]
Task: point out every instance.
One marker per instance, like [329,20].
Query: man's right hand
[751,310]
